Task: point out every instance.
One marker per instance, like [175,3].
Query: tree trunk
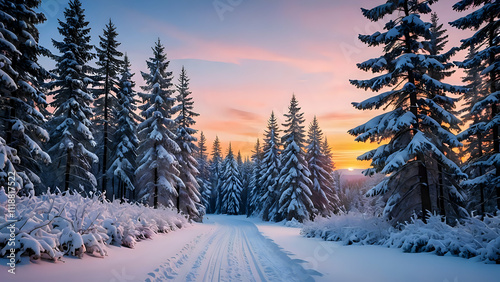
[178,199]
[67,170]
[422,171]
[481,186]
[155,194]
[442,210]
[105,133]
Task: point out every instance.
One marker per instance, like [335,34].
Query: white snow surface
[234,248]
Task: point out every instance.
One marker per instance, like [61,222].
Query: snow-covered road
[232,250]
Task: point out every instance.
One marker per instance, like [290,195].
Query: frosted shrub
[352,228]
[471,237]
[50,226]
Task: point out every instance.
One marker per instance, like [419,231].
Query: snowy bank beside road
[338,262]
[470,238]
[52,226]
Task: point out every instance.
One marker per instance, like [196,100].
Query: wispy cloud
[239,114]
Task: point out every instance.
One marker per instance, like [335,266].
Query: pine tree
[437,173]
[419,122]
[216,174]
[204,169]
[476,137]
[105,104]
[295,195]
[21,98]
[484,165]
[231,186]
[158,171]
[329,166]
[244,184]
[270,171]
[125,142]
[246,170]
[254,198]
[188,199]
[322,179]
[71,137]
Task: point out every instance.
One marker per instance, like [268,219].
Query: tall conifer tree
[418,122]
[295,195]
[21,97]
[231,186]
[270,171]
[125,142]
[158,171]
[484,167]
[105,104]
[72,140]
[188,199]
[321,178]
[204,170]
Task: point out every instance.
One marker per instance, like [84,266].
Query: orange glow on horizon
[344,150]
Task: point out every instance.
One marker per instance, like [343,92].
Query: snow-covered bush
[471,237]
[50,226]
[352,228]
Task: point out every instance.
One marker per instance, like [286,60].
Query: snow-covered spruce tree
[437,174]
[254,204]
[20,96]
[231,186]
[71,137]
[270,171]
[204,172]
[295,195]
[436,46]
[188,199]
[239,161]
[216,175]
[477,140]
[329,166]
[109,65]
[125,142]
[322,180]
[418,123]
[484,165]
[221,206]
[158,171]
[246,179]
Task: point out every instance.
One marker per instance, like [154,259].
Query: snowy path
[232,250]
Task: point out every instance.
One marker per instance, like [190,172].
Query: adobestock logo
[223,6]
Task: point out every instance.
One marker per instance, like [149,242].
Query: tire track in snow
[234,250]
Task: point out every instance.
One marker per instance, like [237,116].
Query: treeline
[288,177]
[89,139]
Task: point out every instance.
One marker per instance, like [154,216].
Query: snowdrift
[471,237]
[51,226]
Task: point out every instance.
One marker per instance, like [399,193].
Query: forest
[84,130]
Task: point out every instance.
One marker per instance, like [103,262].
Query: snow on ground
[121,263]
[337,262]
[231,248]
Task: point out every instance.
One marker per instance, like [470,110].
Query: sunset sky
[246,58]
